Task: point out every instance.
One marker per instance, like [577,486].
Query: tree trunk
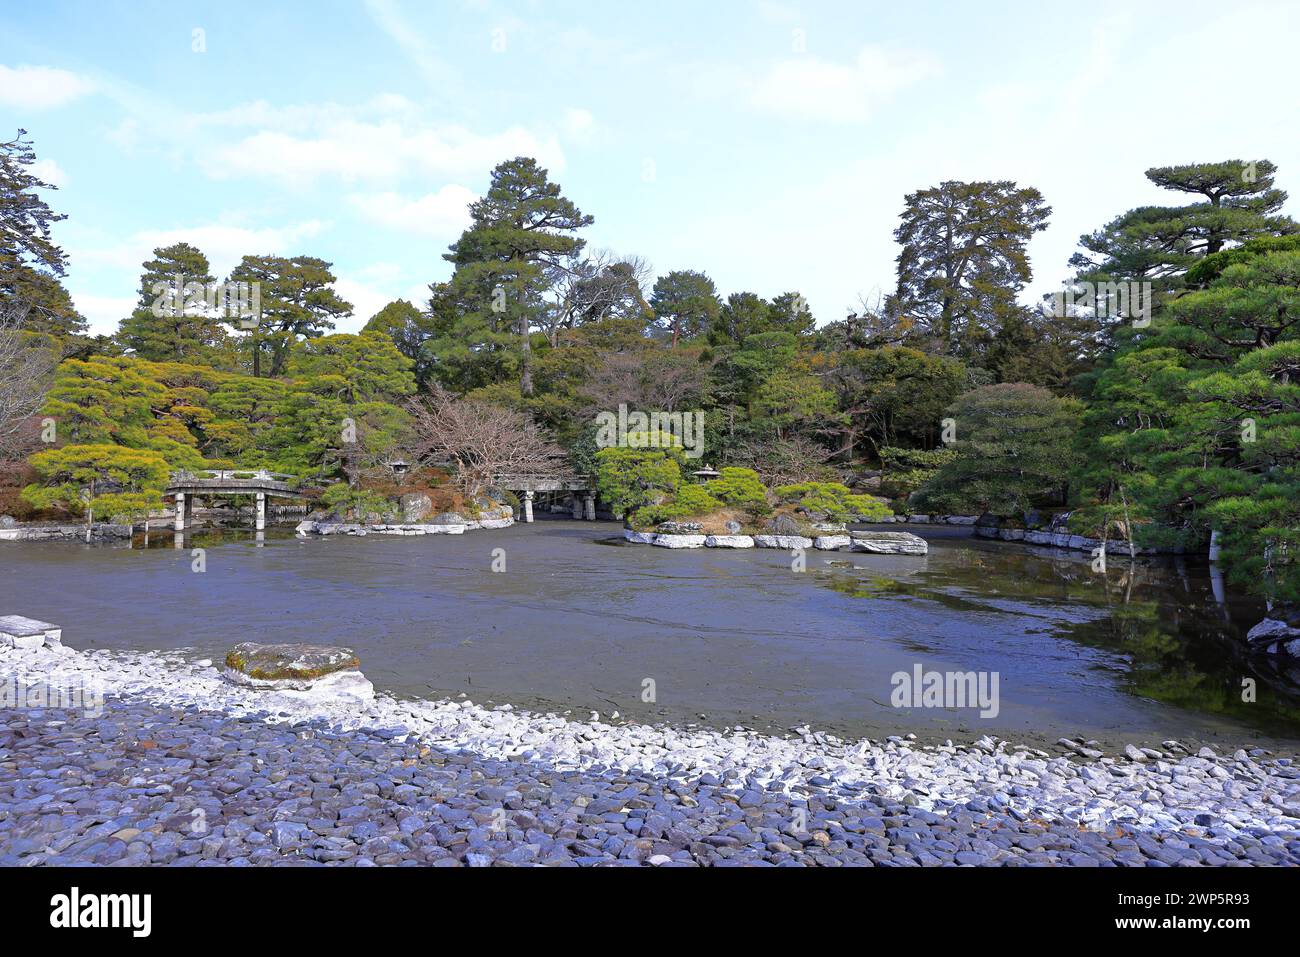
[526,372]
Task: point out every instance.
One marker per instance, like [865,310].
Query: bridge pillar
[261,511]
[589,507]
[180,511]
[577,508]
[528,506]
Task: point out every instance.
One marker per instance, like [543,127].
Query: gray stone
[28,633]
[728,541]
[889,543]
[782,541]
[416,507]
[679,541]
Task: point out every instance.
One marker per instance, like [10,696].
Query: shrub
[110,479]
[903,471]
[1014,449]
[341,497]
[690,500]
[628,478]
[741,488]
[834,499]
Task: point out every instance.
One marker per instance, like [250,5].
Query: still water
[580,620]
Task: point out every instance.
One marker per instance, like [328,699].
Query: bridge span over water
[259,483]
[527,485]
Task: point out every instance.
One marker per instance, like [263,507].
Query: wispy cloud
[441,215]
[388,16]
[807,87]
[40,87]
[223,243]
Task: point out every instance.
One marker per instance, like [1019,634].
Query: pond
[580,620]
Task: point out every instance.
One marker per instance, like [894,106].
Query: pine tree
[31,264]
[521,229]
[685,305]
[297,302]
[173,320]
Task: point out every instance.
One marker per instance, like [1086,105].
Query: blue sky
[769,144]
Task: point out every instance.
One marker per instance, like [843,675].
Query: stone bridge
[527,485]
[256,482]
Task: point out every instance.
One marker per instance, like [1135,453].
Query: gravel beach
[177,766]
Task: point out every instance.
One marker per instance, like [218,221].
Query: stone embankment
[11,531]
[879,543]
[449,523]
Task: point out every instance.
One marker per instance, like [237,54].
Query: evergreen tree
[411,330]
[1158,244]
[31,264]
[173,320]
[297,303]
[964,260]
[685,305]
[1013,445]
[522,228]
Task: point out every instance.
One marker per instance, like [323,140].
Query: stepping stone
[29,634]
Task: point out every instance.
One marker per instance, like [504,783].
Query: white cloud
[366,301]
[806,87]
[442,214]
[354,151]
[49,171]
[102,313]
[372,288]
[223,244]
[579,124]
[40,87]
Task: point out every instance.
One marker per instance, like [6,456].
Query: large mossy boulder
[304,674]
[289,662]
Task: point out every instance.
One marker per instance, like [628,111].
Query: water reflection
[1170,630]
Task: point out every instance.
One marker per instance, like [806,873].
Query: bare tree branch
[25,370]
[480,440]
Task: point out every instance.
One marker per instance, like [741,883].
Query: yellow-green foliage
[834,499]
[108,478]
[627,478]
[690,500]
[741,488]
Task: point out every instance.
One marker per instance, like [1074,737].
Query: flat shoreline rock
[353,528]
[889,543]
[29,634]
[679,541]
[729,541]
[787,542]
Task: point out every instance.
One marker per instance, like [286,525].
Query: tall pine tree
[172,321]
[520,231]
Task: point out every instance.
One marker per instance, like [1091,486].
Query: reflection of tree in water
[1174,635]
